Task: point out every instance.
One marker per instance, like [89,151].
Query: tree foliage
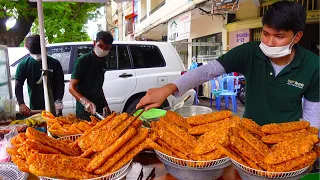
[64,21]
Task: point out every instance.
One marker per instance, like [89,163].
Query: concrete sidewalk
[206,102]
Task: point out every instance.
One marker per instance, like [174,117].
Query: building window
[156,4]
[207,50]
[256,34]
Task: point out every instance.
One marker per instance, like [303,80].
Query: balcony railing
[308,4]
[143,18]
[157,7]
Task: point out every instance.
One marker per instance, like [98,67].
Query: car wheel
[134,103]
[132,106]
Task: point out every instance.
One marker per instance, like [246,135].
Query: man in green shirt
[30,69]
[278,72]
[88,76]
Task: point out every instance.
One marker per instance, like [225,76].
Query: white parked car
[132,69]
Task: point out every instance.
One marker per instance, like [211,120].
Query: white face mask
[276,52]
[36,56]
[100,52]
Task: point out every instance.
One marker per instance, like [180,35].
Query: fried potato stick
[102,157]
[12,151]
[177,119]
[208,118]
[18,140]
[256,143]
[284,127]
[208,141]
[97,126]
[252,127]
[141,136]
[306,160]
[49,141]
[276,138]
[22,164]
[176,152]
[247,160]
[246,149]
[289,150]
[155,146]
[41,148]
[313,130]
[102,142]
[231,154]
[61,166]
[233,121]
[182,134]
[130,155]
[174,141]
[213,155]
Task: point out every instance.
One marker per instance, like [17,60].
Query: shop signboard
[179,27]
[238,37]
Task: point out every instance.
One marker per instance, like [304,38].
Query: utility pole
[120,21]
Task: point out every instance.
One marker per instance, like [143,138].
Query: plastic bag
[5,143]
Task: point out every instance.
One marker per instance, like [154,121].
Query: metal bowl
[245,175]
[186,173]
[187,111]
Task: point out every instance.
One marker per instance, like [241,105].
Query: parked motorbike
[242,92]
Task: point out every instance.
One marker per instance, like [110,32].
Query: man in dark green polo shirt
[88,76]
[278,72]
[30,69]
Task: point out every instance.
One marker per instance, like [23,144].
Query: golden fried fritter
[288,150]
[284,127]
[208,118]
[254,142]
[252,126]
[276,138]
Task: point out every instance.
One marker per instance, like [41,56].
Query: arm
[311,105]
[59,81]
[233,61]
[20,78]
[311,112]
[198,76]
[73,89]
[155,97]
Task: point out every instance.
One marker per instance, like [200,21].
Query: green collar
[297,60]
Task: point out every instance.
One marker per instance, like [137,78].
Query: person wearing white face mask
[278,72]
[87,78]
[30,69]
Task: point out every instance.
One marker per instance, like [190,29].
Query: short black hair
[285,15]
[105,36]
[33,44]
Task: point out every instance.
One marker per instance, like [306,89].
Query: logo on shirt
[295,83]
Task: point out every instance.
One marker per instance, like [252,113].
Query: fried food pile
[103,149]
[194,138]
[278,147]
[67,125]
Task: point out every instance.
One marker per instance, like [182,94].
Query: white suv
[132,69]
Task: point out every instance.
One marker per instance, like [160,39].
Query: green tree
[24,12]
[64,21]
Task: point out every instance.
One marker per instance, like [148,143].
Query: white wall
[204,25]
[171,9]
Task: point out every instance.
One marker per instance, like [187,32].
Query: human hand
[156,96]
[88,105]
[24,110]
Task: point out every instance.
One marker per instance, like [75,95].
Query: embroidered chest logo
[295,83]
